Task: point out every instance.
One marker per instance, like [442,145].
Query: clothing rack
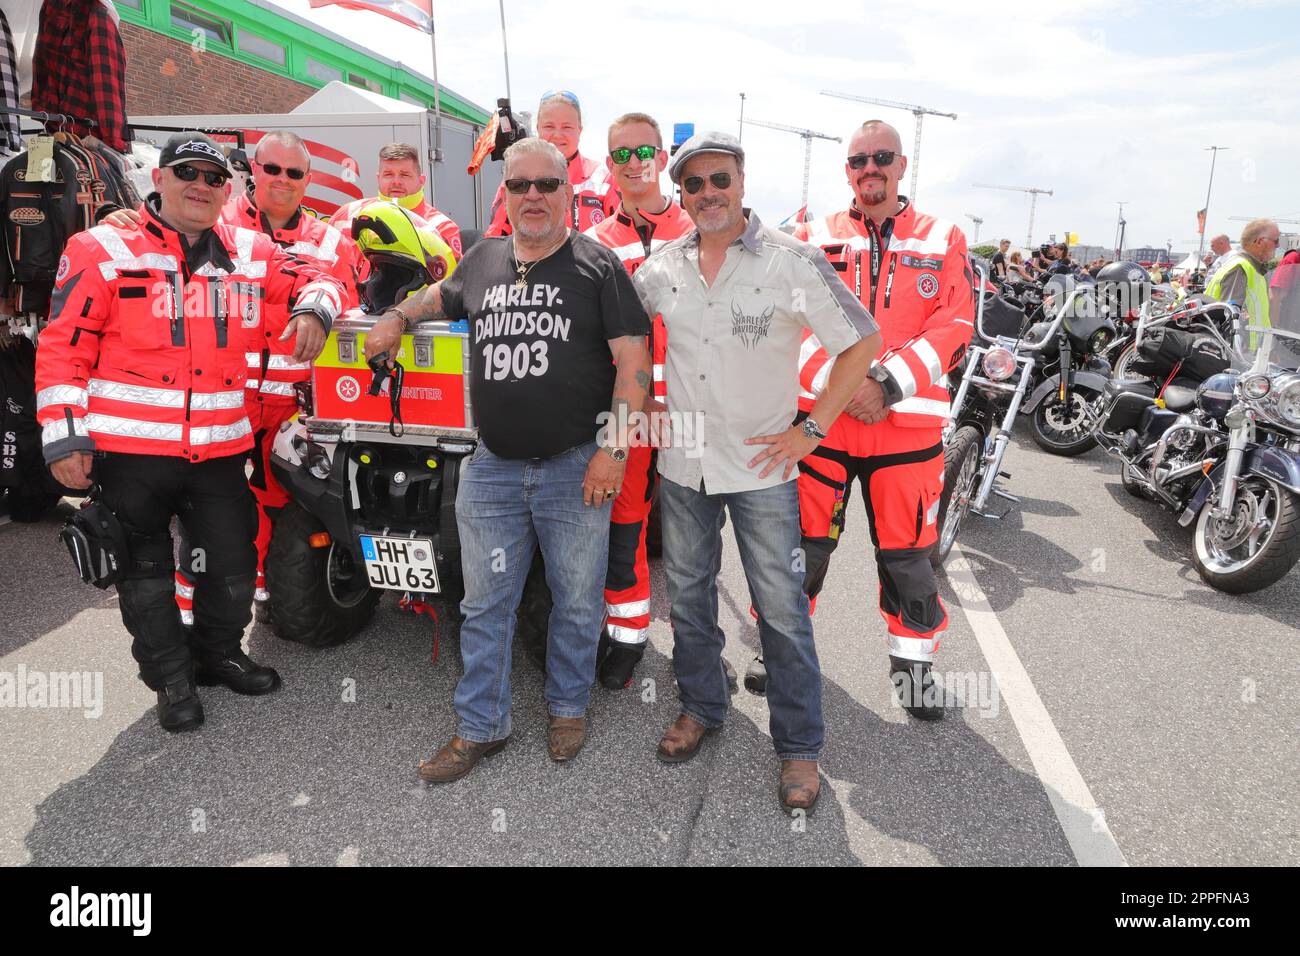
[45,117]
[238,134]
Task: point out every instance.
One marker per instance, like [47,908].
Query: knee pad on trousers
[817,558]
[907,588]
[222,609]
[159,645]
[151,556]
[623,541]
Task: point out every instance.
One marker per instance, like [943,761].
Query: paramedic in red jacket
[595,197]
[910,271]
[140,388]
[400,180]
[281,173]
[644,221]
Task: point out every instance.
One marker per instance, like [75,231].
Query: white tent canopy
[337,97]
[1190,264]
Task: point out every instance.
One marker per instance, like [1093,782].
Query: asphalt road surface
[1106,707]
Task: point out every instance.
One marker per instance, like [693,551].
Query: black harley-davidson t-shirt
[542,373]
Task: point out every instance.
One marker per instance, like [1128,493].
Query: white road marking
[1081,819]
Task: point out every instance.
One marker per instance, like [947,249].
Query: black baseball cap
[191,148]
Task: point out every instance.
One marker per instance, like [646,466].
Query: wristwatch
[618,454]
[813,430]
[888,384]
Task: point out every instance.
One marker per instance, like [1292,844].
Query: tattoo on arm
[425,305]
[644,380]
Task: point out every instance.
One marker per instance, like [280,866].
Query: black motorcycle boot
[239,672]
[617,667]
[919,694]
[179,707]
[222,610]
[160,646]
[756,677]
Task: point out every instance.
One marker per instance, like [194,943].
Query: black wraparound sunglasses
[882,157]
[520,186]
[693,184]
[187,174]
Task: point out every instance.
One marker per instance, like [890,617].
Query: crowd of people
[806,362]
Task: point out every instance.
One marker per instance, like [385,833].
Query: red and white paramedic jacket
[146,349]
[914,278]
[633,245]
[272,370]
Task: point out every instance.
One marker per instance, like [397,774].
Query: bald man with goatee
[910,271]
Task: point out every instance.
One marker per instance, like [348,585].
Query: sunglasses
[693,184]
[275,169]
[564,93]
[882,157]
[187,174]
[520,186]
[624,154]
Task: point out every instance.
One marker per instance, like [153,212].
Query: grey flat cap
[705,143]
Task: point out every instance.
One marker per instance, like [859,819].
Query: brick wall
[165,77]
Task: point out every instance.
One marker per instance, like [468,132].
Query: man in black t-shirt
[547,308]
[999,260]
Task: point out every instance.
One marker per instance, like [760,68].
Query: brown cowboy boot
[565,736]
[681,741]
[457,758]
[800,785]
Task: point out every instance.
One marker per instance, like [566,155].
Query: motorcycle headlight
[1255,387]
[999,364]
[1098,340]
[1288,403]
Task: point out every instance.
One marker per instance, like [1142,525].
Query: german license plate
[400,564]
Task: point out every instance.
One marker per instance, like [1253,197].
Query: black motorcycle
[1213,434]
[1072,376]
[1000,366]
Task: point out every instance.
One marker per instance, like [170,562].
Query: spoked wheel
[1122,370]
[1255,545]
[1065,428]
[961,468]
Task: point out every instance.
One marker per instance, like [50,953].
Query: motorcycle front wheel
[1255,545]
[1064,428]
[961,469]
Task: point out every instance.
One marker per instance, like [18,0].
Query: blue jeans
[766,524]
[505,509]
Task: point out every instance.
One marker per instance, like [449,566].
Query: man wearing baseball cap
[733,351]
[140,389]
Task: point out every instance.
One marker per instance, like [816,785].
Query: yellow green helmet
[404,253]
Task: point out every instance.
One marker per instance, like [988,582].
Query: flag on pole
[1200,223]
[800,216]
[413,13]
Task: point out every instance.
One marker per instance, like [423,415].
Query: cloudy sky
[1099,102]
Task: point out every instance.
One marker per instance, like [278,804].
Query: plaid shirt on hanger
[10,131]
[80,68]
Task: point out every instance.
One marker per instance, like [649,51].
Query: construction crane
[1289,222]
[978,222]
[1034,193]
[918,111]
[808,136]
